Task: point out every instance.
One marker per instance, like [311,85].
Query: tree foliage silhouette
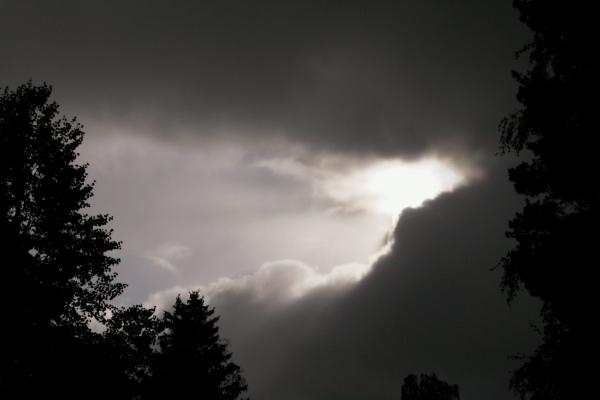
[58,278]
[56,257]
[556,232]
[428,387]
[192,359]
[128,348]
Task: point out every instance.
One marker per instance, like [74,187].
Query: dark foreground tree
[555,258]
[193,361]
[57,278]
[127,348]
[56,258]
[428,387]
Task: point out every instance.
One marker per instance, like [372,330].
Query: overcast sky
[325,172]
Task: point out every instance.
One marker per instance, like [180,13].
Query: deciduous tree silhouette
[557,230]
[56,258]
[58,278]
[128,347]
[193,361]
[428,387]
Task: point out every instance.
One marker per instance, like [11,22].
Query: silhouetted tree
[428,387]
[193,361]
[557,230]
[56,258]
[58,278]
[128,347]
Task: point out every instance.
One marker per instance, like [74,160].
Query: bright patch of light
[378,186]
[388,187]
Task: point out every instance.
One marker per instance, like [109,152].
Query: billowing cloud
[234,128]
[274,283]
[430,304]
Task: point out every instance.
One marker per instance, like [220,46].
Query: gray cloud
[232,214]
[387,77]
[431,304]
[183,98]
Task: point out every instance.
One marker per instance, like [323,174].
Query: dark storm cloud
[389,77]
[431,304]
[395,78]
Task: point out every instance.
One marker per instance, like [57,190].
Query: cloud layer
[186,102]
[382,77]
[430,304]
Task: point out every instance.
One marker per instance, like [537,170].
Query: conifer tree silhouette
[193,361]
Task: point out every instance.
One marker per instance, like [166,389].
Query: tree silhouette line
[428,387]
[58,278]
[556,233]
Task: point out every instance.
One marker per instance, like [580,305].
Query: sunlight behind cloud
[328,212]
[382,187]
[388,187]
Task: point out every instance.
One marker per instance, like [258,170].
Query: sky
[326,173]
